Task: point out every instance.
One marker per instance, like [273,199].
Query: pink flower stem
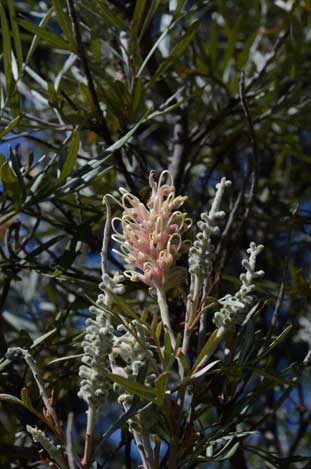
[161,297]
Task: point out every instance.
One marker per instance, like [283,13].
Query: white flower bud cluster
[97,345]
[234,306]
[53,451]
[201,254]
[130,352]
[113,284]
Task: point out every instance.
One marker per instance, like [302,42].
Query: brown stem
[88,437]
[82,55]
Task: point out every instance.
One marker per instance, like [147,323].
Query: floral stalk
[130,353]
[162,302]
[97,345]
[151,241]
[91,413]
[201,258]
[235,307]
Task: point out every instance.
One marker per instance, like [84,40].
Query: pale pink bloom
[152,235]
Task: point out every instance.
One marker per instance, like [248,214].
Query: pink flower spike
[151,239]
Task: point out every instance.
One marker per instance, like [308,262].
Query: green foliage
[93,95]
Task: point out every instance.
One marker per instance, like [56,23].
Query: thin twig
[54,125]
[14,352]
[252,169]
[81,51]
[248,116]
[223,240]
[278,304]
[303,428]
[252,174]
[218,338]
[282,36]
[261,34]
[91,416]
[280,401]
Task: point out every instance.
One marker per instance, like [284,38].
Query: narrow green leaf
[169,353]
[63,359]
[161,387]
[10,398]
[229,51]
[51,38]
[16,36]
[154,323]
[67,258]
[82,179]
[132,387]
[43,247]
[26,404]
[275,378]
[204,370]
[16,164]
[25,398]
[14,400]
[139,12]
[206,348]
[111,17]
[71,157]
[156,44]
[43,337]
[213,44]
[9,127]
[185,365]
[36,183]
[182,45]
[168,350]
[64,22]
[6,47]
[227,451]
[180,5]
[150,14]
[37,78]
[278,340]
[158,331]
[175,53]
[54,87]
[133,410]
[36,38]
[137,100]
[119,143]
[10,182]
[14,99]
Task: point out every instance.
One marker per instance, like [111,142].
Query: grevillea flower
[152,235]
[235,306]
